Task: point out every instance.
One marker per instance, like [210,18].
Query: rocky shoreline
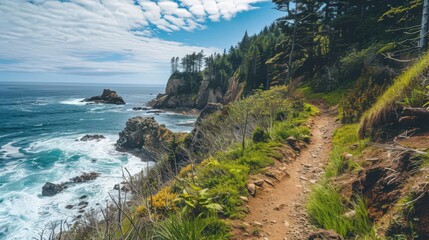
[51,189]
[142,137]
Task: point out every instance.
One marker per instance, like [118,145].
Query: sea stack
[108,97]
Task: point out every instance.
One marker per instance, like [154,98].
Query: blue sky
[117,41]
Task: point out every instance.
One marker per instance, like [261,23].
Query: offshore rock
[108,97]
[51,189]
[85,177]
[141,108]
[95,137]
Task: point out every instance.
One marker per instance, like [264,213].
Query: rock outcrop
[144,137]
[51,189]
[108,97]
[141,108]
[85,177]
[209,91]
[195,139]
[95,137]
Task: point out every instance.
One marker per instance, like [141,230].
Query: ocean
[39,126]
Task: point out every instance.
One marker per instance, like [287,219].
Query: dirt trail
[279,212]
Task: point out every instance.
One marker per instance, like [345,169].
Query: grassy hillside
[199,200]
[384,207]
[408,90]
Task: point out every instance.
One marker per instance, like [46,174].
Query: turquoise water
[39,126]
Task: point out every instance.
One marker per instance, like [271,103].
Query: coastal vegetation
[211,187]
[350,155]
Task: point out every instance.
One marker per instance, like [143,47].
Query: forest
[325,45]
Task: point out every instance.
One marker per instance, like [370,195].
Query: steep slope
[376,187]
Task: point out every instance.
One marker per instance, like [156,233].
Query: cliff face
[210,90]
[144,137]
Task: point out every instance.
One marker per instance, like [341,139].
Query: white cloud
[109,36]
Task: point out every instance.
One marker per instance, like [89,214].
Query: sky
[117,41]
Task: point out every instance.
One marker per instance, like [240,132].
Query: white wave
[186,123]
[10,151]
[25,220]
[74,101]
[107,109]
[91,119]
[11,134]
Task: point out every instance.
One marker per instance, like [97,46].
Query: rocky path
[278,212]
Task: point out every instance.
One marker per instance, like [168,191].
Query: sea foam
[73,101]
[22,220]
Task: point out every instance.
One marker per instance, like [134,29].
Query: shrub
[163,200]
[259,135]
[364,94]
[284,130]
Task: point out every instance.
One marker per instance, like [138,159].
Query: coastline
[44,149]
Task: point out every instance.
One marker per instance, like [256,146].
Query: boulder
[108,97]
[96,137]
[85,177]
[51,189]
[82,204]
[252,189]
[140,109]
[324,235]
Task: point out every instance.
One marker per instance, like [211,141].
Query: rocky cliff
[144,137]
[210,90]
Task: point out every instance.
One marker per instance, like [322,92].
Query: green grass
[326,208]
[226,182]
[325,204]
[343,139]
[286,129]
[332,98]
[362,225]
[180,228]
[400,87]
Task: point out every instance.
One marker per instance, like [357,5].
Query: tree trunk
[423,44]
[289,72]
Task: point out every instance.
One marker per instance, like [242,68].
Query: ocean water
[39,125]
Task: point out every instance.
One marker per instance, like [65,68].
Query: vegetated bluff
[197,79]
